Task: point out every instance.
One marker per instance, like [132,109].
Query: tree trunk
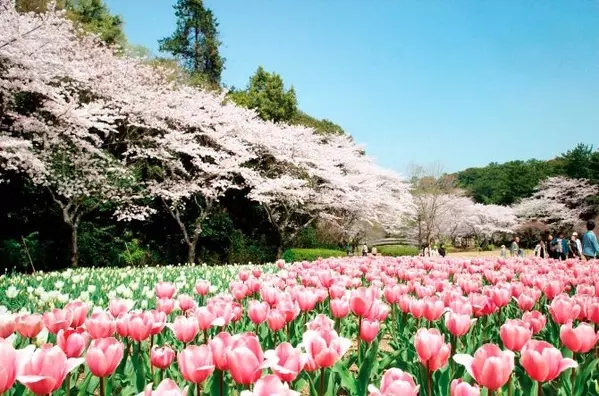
[74,246]
[279,251]
[191,252]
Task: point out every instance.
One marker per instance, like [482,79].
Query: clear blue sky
[461,82]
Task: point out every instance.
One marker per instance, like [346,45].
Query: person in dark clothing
[561,247]
[573,251]
[442,251]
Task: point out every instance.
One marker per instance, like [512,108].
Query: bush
[398,250]
[293,255]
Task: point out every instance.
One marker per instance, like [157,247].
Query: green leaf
[218,385]
[348,382]
[140,374]
[83,389]
[583,376]
[369,365]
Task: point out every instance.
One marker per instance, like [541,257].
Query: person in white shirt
[578,243]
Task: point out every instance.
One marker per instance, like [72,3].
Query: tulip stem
[429,381]
[573,374]
[102,392]
[151,366]
[539,389]
[67,385]
[322,382]
[510,386]
[199,388]
[359,340]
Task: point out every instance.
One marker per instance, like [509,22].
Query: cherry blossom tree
[558,202]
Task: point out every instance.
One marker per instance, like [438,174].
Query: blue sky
[458,82]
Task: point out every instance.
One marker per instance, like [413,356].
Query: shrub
[398,250]
[293,255]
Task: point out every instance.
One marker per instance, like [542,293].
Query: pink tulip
[122,325]
[395,382]
[276,320]
[166,388]
[218,347]
[58,319]
[290,361]
[118,306]
[457,324]
[166,305]
[140,326]
[543,362]
[165,290]
[460,388]
[45,370]
[321,322]
[162,357]
[369,330]
[525,302]
[258,311]
[10,361]
[79,310]
[361,301]
[158,321]
[7,325]
[579,340]
[490,367]
[245,359]
[433,309]
[324,348]
[535,320]
[196,363]
[72,342]
[186,302]
[29,326]
[270,385]
[563,309]
[207,318]
[103,356]
[339,308]
[202,287]
[100,325]
[514,334]
[432,351]
[185,329]
[306,300]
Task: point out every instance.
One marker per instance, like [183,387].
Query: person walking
[573,251]
[590,246]
[578,243]
[561,247]
[442,251]
[540,249]
[549,248]
[365,250]
[515,247]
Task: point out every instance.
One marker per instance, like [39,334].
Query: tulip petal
[464,360]
[566,364]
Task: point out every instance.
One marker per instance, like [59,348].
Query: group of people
[562,248]
[428,251]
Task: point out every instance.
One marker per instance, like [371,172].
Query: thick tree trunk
[74,246]
[191,252]
[279,251]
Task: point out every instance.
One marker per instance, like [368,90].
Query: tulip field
[341,326]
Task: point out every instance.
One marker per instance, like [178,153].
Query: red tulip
[432,351]
[44,371]
[543,362]
[196,363]
[490,367]
[103,356]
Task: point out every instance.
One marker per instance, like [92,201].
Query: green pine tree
[195,41]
